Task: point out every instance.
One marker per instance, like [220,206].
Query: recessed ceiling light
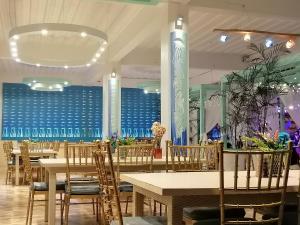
[33,88]
[83,34]
[290,44]
[105,42]
[29,84]
[66,83]
[66,67]
[98,55]
[102,49]
[14,49]
[145,91]
[38,65]
[18,60]
[50,87]
[88,64]
[156,90]
[44,32]
[14,54]
[61,89]
[12,43]
[16,37]
[269,43]
[34,81]
[223,38]
[247,37]
[295,78]
[94,60]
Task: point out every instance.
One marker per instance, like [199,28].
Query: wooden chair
[133,158]
[274,164]
[191,158]
[79,185]
[110,200]
[10,164]
[36,188]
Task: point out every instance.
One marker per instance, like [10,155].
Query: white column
[111,101]
[175,74]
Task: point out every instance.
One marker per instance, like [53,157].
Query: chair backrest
[137,156]
[78,155]
[271,176]
[191,158]
[110,200]
[8,148]
[26,162]
[55,146]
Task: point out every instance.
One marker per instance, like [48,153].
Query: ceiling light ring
[37,28]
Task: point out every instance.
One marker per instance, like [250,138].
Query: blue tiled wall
[74,114]
[138,112]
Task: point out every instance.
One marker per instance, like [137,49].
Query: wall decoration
[74,114]
[179,88]
[138,112]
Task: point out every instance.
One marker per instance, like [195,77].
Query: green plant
[251,92]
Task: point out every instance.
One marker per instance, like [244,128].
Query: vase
[157,153]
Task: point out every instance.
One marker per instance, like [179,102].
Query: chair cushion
[147,220]
[290,216]
[203,213]
[40,186]
[85,189]
[125,187]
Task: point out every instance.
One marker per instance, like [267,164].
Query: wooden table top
[195,183]
[37,152]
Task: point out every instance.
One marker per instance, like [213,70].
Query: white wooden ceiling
[130,26]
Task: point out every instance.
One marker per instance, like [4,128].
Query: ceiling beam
[200,60]
[145,23]
[276,8]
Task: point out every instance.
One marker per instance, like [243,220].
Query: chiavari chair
[36,188]
[10,164]
[110,199]
[78,184]
[271,177]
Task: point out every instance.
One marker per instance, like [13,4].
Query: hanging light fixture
[290,44]
[247,37]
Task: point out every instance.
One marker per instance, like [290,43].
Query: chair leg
[61,209]
[28,207]
[67,205]
[150,206]
[93,202]
[154,208]
[31,208]
[97,209]
[126,206]
[6,177]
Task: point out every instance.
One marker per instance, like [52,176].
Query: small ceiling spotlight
[16,37]
[50,87]
[105,43]
[18,60]
[38,65]
[290,44]
[224,38]
[247,37]
[88,65]
[94,60]
[145,91]
[44,32]
[102,49]
[269,43]
[83,34]
[179,23]
[34,81]
[66,66]
[113,75]
[12,43]
[14,49]
[66,83]
[14,54]
[98,55]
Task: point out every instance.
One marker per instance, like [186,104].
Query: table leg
[46,196]
[138,203]
[52,198]
[174,212]
[17,175]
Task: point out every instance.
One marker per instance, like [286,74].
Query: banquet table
[36,153]
[58,165]
[188,189]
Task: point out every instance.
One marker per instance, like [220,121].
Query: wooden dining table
[58,165]
[36,153]
[188,189]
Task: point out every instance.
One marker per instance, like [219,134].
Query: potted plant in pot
[158,132]
[264,142]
